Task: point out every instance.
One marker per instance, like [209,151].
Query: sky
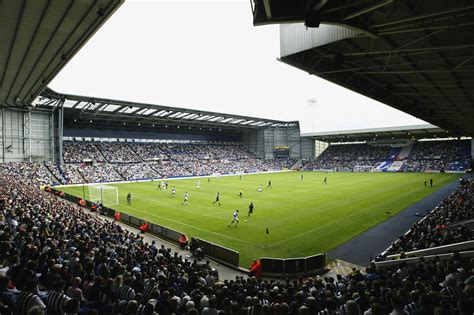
[207,55]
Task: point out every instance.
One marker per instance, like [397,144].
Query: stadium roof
[39,37]
[82,109]
[416,56]
[425,131]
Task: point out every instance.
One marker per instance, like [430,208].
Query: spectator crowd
[57,258]
[439,156]
[425,156]
[350,157]
[442,225]
[103,162]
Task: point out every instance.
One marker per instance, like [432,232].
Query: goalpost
[103,194]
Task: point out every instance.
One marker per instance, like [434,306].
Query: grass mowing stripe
[304,216]
[192,226]
[391,201]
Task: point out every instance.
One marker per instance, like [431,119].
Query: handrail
[413,260]
[456,247]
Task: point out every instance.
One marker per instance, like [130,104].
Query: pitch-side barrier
[290,267]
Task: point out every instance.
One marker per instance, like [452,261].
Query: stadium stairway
[59,180]
[399,160]
[405,152]
[140,159]
[61,172]
[383,166]
[396,166]
[99,151]
[394,152]
[297,165]
[396,158]
[341,267]
[84,180]
[392,155]
[155,169]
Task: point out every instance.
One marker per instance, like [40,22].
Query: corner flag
[268,232]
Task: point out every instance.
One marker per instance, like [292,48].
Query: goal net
[104,194]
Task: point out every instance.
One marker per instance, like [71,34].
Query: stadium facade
[37,134]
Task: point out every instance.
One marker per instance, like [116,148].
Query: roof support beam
[422,38]
[14,41]
[152,112]
[102,107]
[438,83]
[168,114]
[141,110]
[355,69]
[427,94]
[119,109]
[344,6]
[108,9]
[136,110]
[422,29]
[406,51]
[187,115]
[26,54]
[77,103]
[50,39]
[426,16]
[367,10]
[463,63]
[416,71]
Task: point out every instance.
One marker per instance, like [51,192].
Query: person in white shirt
[235,218]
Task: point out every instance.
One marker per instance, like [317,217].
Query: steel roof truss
[204,117]
[166,113]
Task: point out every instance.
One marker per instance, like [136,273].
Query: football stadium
[118,206]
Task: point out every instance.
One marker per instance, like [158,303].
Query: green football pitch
[304,217]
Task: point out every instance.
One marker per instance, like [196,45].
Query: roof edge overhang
[408,128]
[105,109]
